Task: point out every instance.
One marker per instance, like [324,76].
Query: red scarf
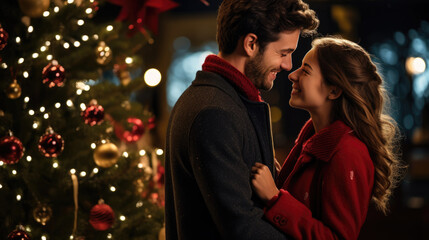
[218,65]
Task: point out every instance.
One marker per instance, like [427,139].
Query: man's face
[277,56]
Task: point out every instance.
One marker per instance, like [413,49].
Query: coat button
[277,218]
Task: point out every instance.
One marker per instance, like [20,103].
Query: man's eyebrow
[288,50]
[308,65]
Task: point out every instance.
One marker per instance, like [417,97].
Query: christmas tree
[76,156]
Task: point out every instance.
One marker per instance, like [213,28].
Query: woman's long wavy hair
[362,106]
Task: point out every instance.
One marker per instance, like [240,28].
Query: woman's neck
[321,120]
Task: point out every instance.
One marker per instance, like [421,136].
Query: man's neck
[235,60]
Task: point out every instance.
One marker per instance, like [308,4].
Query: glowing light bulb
[30,29]
[20,60]
[29,158]
[55,165]
[31,112]
[112,188]
[46,13]
[142,152]
[85,38]
[128,60]
[35,55]
[152,77]
[80,22]
[415,65]
[93,145]
[25,74]
[57,105]
[26,99]
[159,152]
[18,39]
[109,28]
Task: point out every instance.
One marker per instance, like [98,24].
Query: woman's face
[309,91]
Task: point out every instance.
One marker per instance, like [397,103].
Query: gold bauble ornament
[42,213]
[34,8]
[103,53]
[106,155]
[13,91]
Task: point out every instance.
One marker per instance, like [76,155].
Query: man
[220,126]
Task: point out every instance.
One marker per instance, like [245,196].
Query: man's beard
[254,70]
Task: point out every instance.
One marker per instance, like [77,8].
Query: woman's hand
[263,182]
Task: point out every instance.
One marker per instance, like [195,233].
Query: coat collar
[323,144]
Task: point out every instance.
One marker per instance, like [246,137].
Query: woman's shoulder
[351,151]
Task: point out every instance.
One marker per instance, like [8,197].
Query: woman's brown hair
[362,106]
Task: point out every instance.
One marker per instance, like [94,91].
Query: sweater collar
[218,65]
[322,144]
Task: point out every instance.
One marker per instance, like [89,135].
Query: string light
[29,158]
[30,29]
[43,237]
[140,165]
[95,170]
[88,10]
[152,77]
[95,36]
[80,22]
[20,60]
[14,172]
[82,106]
[49,57]
[48,43]
[103,141]
[69,103]
[55,165]
[66,45]
[76,43]
[1,186]
[4,65]
[18,197]
[128,60]
[18,39]
[26,99]
[112,188]
[35,55]
[35,125]
[70,1]
[25,74]
[159,152]
[122,218]
[79,91]
[142,152]
[109,28]
[56,9]
[93,145]
[85,38]
[43,48]
[57,105]
[42,109]
[46,13]
[72,171]
[31,112]
[58,37]
[46,115]
[125,154]
[109,236]
[139,204]
[83,174]
[1,163]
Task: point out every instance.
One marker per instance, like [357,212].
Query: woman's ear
[250,44]
[335,92]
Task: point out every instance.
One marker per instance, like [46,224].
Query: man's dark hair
[264,18]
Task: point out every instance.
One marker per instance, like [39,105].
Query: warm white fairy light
[48,43]
[43,237]
[29,158]
[85,38]
[43,48]
[1,163]
[112,188]
[122,218]
[139,204]
[80,22]
[18,39]
[95,170]
[25,74]
[159,152]
[57,105]
[66,45]
[82,174]
[142,152]
[55,165]
[56,9]
[128,60]
[42,109]
[82,106]
[125,154]
[35,55]
[93,145]
[46,115]
[95,36]
[18,197]
[79,91]
[1,186]
[88,10]
[4,65]
[103,141]
[70,1]
[31,112]
[30,29]
[72,171]
[35,125]
[76,43]
[152,77]
[140,165]
[49,57]
[46,13]
[28,229]
[109,236]
[86,88]
[69,103]
[26,99]
[20,60]
[58,37]
[109,28]
[14,172]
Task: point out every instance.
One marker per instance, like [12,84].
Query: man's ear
[335,92]
[250,44]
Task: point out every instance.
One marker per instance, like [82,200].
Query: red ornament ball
[101,217]
[51,144]
[93,114]
[3,38]
[136,132]
[18,235]
[54,74]
[11,149]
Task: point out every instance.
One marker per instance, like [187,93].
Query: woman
[343,156]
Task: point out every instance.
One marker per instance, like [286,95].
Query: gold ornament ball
[42,213]
[106,155]
[103,53]
[13,91]
[34,8]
